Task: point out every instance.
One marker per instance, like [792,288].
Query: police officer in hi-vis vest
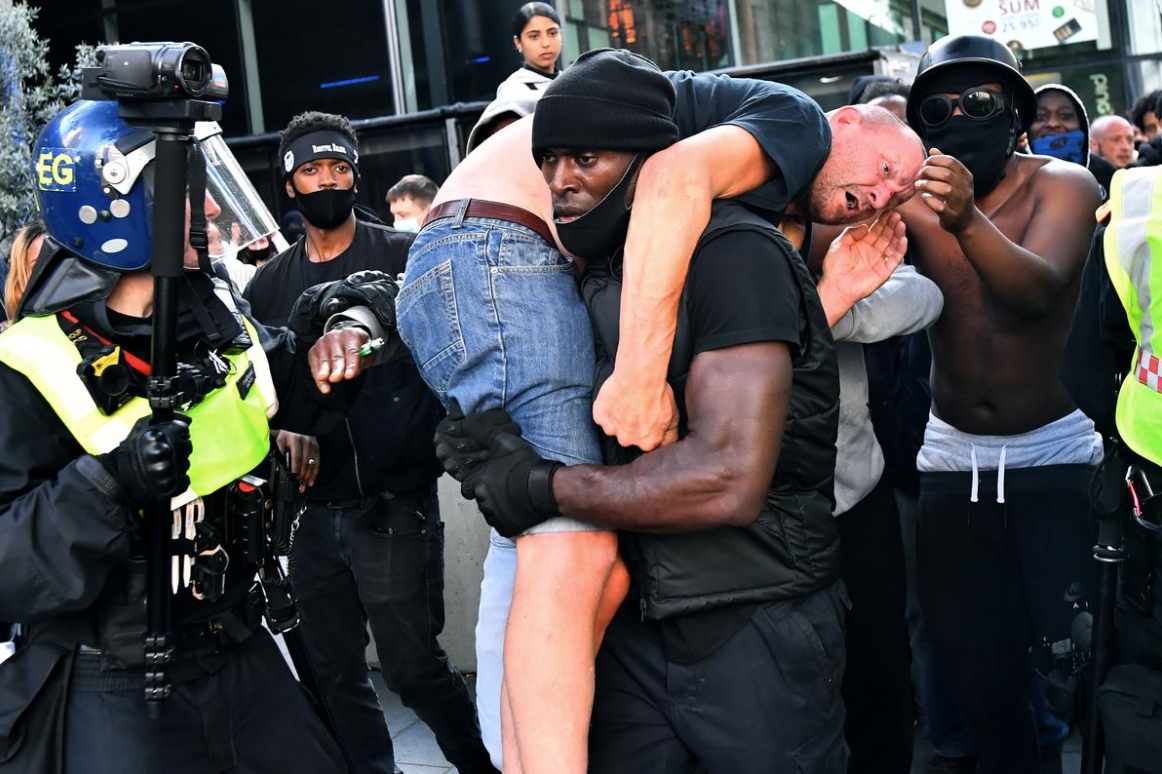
[79,463]
[1112,371]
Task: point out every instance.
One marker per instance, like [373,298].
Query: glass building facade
[373,60]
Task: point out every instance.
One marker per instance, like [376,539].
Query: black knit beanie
[609,99]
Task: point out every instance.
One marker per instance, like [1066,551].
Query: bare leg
[550,645]
[510,752]
[611,598]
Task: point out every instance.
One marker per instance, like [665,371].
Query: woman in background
[25,248]
[536,33]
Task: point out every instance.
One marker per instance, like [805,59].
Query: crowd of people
[784,422]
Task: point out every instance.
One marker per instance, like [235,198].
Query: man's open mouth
[566,214]
[852,202]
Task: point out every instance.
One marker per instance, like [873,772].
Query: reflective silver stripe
[1133,248]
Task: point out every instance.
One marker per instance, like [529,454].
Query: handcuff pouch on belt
[265,529]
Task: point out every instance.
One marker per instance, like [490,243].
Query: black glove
[152,462]
[456,444]
[512,484]
[372,289]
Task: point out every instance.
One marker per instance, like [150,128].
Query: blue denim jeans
[493,317]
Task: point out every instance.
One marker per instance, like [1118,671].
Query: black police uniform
[72,697]
[1099,346]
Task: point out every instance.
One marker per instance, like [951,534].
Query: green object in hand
[371,347]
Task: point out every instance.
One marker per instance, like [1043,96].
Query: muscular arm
[718,474]
[671,209]
[1027,278]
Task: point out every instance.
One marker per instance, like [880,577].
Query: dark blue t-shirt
[788,125]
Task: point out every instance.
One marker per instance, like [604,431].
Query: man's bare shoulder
[1059,180]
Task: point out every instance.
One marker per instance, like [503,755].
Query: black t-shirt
[789,126]
[280,282]
[741,290]
[386,442]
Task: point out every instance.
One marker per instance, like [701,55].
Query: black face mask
[254,255]
[601,231]
[982,146]
[327,207]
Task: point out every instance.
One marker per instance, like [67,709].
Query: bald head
[872,166]
[1112,138]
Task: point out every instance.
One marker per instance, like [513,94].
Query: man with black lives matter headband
[370,544]
[1003,537]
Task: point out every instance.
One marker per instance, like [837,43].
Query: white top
[522,83]
[906,303]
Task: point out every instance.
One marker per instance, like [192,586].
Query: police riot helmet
[985,53]
[93,175]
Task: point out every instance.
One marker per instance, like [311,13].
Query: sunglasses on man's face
[976,104]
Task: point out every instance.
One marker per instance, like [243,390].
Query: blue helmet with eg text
[93,177]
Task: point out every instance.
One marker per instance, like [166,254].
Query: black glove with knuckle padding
[374,290]
[152,462]
[510,482]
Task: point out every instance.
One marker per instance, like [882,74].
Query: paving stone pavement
[416,751]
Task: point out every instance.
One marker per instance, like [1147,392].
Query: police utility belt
[1144,546]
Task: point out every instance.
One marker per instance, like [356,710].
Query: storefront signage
[1026,24]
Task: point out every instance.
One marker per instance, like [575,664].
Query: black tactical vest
[793,547]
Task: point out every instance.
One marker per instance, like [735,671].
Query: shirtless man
[1003,523]
[491,310]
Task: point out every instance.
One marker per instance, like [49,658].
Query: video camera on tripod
[154,71]
[162,89]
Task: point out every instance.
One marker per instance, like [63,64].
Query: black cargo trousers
[249,717]
[766,701]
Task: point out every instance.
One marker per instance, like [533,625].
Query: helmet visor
[243,216]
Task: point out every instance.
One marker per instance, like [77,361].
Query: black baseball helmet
[979,50]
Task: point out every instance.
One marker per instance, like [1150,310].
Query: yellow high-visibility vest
[1133,259]
[230,431]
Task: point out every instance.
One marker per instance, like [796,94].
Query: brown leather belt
[479,208]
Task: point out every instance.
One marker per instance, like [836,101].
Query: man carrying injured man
[491,311]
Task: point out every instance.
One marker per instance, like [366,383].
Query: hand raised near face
[862,258]
[945,186]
